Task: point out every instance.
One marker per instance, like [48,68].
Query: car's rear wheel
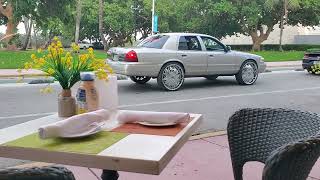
[211,77]
[84,47]
[248,73]
[140,79]
[171,76]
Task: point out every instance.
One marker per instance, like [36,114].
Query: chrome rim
[249,73]
[172,77]
[140,78]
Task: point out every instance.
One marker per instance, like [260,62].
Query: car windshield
[154,41]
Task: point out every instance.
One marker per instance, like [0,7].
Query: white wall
[289,36]
[21,29]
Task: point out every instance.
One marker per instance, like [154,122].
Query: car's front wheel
[171,76]
[140,79]
[248,73]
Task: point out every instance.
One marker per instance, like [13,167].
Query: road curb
[22,75]
[270,66]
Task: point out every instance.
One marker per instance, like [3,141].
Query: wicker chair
[285,140]
[36,173]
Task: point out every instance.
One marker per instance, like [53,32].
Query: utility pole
[152,28]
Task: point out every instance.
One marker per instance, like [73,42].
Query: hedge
[275,47]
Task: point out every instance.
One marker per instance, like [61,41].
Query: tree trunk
[101,29]
[7,11]
[10,33]
[282,22]
[10,30]
[258,39]
[281,33]
[35,36]
[78,19]
[256,44]
[28,25]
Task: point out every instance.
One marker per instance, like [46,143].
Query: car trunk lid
[119,54]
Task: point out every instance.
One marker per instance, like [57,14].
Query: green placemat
[89,145]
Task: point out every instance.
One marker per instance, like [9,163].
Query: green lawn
[16,59]
[274,56]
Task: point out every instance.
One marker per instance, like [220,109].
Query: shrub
[275,47]
[313,50]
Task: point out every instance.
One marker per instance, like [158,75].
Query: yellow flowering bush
[315,69]
[65,66]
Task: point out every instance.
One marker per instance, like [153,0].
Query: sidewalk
[284,64]
[202,159]
[7,73]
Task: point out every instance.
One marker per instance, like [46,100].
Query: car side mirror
[228,48]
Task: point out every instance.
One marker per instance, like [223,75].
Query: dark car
[311,58]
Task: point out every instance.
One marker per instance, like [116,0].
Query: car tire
[211,77]
[171,76]
[140,79]
[248,73]
[84,48]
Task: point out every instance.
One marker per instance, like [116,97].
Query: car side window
[211,44]
[189,43]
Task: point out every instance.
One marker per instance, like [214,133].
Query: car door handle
[184,55]
[210,55]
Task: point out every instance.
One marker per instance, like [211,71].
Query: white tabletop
[139,153]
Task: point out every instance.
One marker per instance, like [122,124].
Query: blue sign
[155,24]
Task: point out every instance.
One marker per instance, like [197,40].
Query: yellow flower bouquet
[65,66]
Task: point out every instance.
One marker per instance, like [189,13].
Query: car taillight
[306,56]
[131,56]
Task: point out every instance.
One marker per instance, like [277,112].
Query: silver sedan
[171,57]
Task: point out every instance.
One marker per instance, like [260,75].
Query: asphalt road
[216,100]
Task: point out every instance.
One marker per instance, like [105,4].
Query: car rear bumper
[307,65]
[134,68]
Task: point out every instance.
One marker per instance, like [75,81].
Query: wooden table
[140,153]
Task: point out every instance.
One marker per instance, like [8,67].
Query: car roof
[184,34]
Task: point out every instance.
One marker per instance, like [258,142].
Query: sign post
[155,24]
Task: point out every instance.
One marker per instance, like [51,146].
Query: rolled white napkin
[79,124]
[152,117]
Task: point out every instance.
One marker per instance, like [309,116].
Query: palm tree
[286,6]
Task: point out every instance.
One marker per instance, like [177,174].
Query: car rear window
[154,41]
